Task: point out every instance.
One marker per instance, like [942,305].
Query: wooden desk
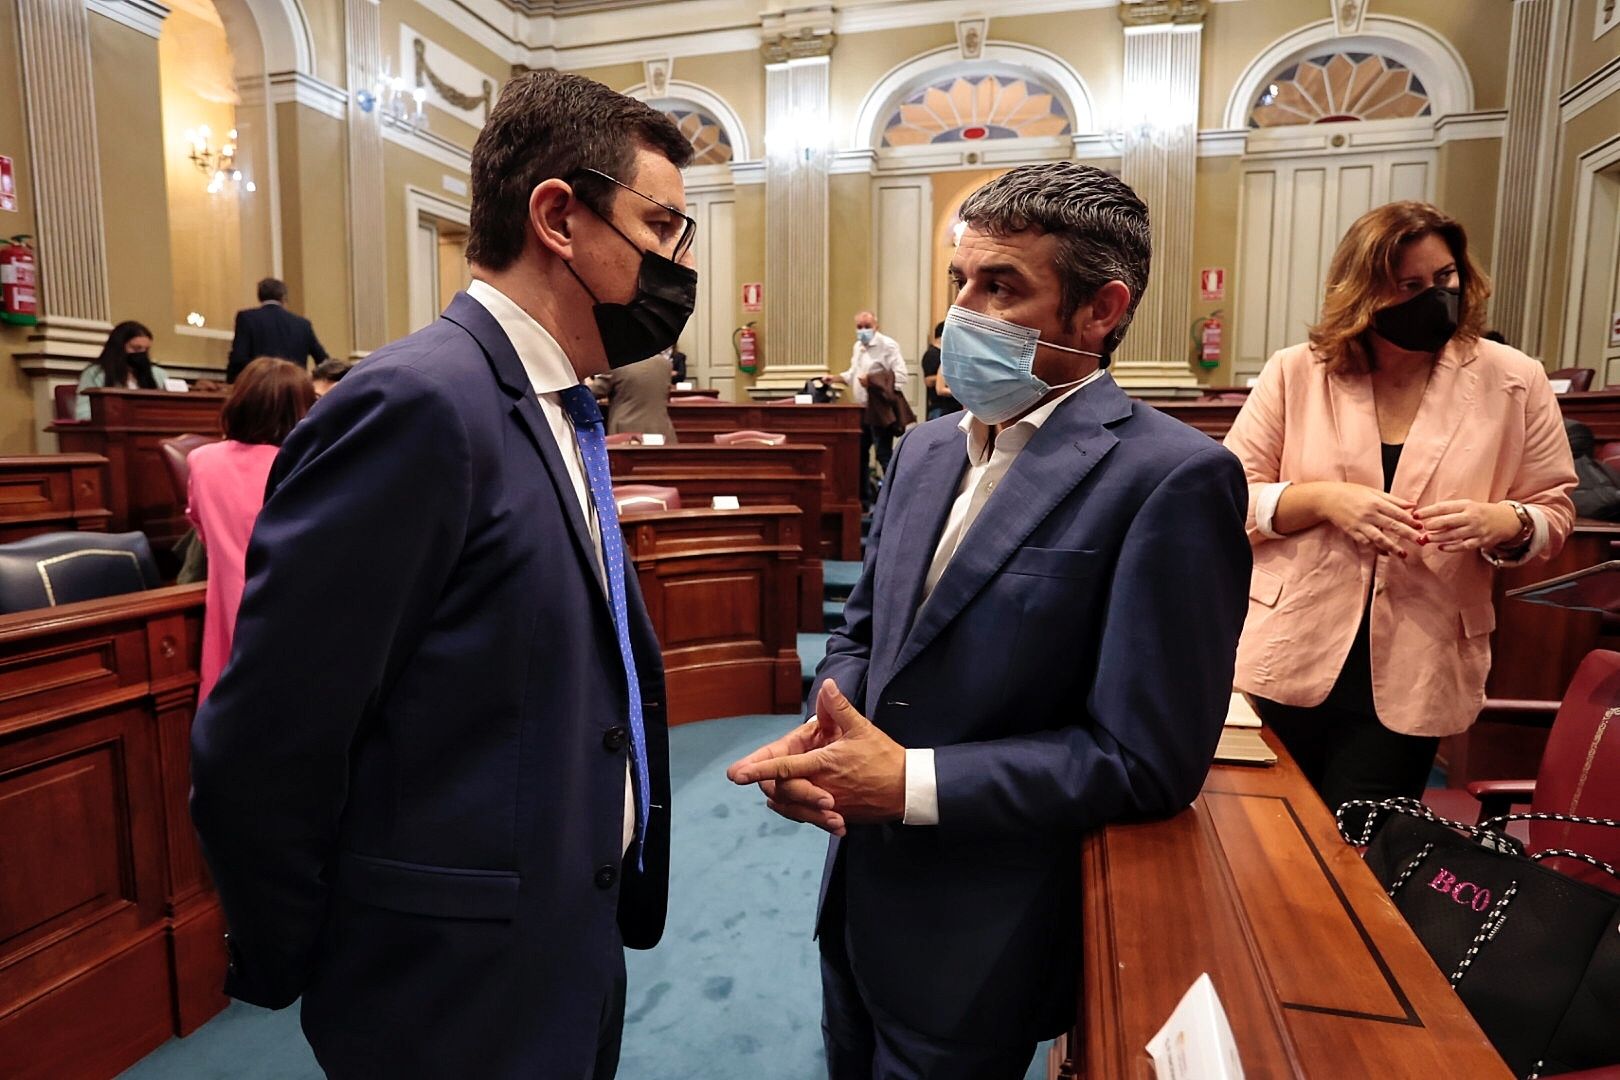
[721,588]
[788,475]
[44,493]
[837,427]
[125,427]
[1597,409]
[1213,418]
[111,938]
[1318,972]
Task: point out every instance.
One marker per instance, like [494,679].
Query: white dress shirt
[990,454]
[550,373]
[882,352]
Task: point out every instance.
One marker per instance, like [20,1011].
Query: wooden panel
[1319,974]
[109,934]
[126,427]
[757,476]
[837,427]
[1213,418]
[720,588]
[1597,409]
[51,493]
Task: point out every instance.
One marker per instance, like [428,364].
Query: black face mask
[666,293]
[1422,324]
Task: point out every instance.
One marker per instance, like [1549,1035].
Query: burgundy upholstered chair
[750,438]
[644,498]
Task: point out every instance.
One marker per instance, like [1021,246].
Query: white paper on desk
[652,438]
[176,386]
[1252,381]
[804,399]
[1240,714]
[725,502]
[1196,1042]
[1559,386]
[686,386]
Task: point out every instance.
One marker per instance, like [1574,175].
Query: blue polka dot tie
[580,405]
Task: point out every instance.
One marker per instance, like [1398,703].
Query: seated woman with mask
[125,362]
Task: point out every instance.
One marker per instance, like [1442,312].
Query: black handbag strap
[1566,853]
[1487,930]
[1376,809]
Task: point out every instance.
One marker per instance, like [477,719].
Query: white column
[1159,161]
[59,110]
[797,149]
[1523,208]
[368,255]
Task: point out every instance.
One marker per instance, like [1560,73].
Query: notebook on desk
[1241,743]
[1597,588]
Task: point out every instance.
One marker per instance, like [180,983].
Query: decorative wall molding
[142,16]
[1460,127]
[896,16]
[709,101]
[1347,15]
[1590,90]
[1434,59]
[904,77]
[368,247]
[294,87]
[434,147]
[637,50]
[655,76]
[1592,160]
[1159,14]
[970,37]
[453,85]
[796,218]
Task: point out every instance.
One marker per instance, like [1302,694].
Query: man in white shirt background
[873,350]
[1042,641]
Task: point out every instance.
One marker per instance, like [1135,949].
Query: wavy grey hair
[1100,224]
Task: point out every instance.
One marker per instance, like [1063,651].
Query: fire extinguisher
[745,342]
[19,295]
[1207,340]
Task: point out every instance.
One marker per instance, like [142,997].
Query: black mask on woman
[666,293]
[141,364]
[1422,324]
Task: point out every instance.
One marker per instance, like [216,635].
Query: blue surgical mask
[989,365]
[865,334]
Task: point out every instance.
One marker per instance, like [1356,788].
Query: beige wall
[749,224]
[1092,41]
[314,214]
[851,287]
[1586,53]
[736,78]
[406,169]
[1594,126]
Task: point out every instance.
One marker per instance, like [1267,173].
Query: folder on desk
[1241,743]
[1597,588]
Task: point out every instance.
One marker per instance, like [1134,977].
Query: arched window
[710,143]
[1334,87]
[977,104]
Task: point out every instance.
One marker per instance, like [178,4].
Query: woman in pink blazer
[1394,461]
[226,490]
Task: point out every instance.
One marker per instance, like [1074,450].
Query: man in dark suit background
[1041,642]
[271,330]
[445,842]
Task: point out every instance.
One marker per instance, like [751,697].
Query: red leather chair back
[644,498]
[623,438]
[750,438]
[1608,453]
[1580,378]
[1580,770]
[66,401]
[175,452]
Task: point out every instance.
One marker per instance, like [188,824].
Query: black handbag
[1534,954]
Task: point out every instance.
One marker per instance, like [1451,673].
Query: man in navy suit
[271,330]
[1041,642]
[444,842]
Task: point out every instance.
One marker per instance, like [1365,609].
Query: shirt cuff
[1265,508]
[922,788]
[1539,537]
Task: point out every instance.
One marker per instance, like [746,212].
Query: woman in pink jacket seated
[226,490]
[1395,460]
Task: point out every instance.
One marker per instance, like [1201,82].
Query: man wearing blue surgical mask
[874,351]
[1041,643]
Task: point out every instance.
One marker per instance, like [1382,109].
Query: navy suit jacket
[1072,667]
[271,330]
[418,826]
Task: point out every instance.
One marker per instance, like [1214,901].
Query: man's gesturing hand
[861,768]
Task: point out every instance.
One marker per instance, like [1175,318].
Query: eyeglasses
[688,227]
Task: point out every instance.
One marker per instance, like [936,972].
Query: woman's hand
[1464,525]
[1368,516]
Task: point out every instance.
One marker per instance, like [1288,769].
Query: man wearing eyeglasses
[445,843]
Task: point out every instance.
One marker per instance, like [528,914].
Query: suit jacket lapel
[1448,398]
[475,318]
[1355,423]
[930,490]
[1061,454]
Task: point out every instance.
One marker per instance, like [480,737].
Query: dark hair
[272,289]
[1100,224]
[332,370]
[939,329]
[551,125]
[1496,336]
[267,400]
[115,365]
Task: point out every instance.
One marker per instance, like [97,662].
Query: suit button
[606,876]
[613,739]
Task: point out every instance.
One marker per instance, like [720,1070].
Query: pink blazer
[1488,429]
[226,492]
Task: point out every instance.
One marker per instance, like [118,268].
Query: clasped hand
[1377,519]
[835,771]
